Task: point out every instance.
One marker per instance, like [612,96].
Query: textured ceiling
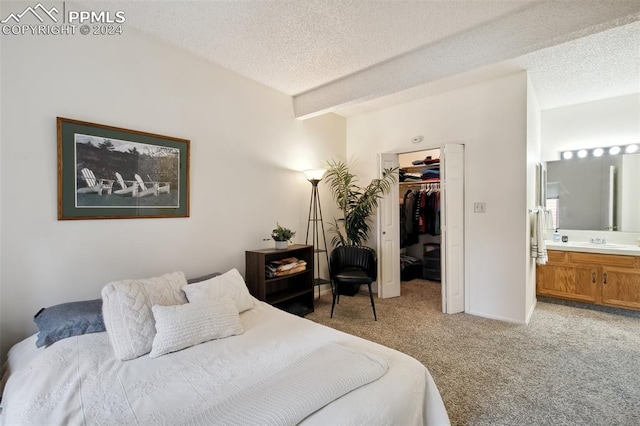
[599,66]
[294,46]
[313,50]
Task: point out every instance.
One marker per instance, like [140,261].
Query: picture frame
[107,172]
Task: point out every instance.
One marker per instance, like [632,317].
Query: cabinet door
[621,287]
[571,282]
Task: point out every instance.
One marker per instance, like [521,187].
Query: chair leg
[375,317]
[333,304]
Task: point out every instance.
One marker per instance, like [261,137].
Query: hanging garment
[437,214]
[420,215]
[430,212]
[423,220]
[410,232]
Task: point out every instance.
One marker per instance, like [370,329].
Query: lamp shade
[314,174]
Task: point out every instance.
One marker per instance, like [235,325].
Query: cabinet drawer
[557,256]
[602,259]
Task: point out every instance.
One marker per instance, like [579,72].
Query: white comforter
[78,381]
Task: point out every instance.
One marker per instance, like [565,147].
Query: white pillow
[229,284]
[126,308]
[183,326]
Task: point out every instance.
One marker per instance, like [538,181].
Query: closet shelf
[414,169]
[419,182]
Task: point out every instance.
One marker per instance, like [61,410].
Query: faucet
[598,240]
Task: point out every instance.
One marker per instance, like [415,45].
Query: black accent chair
[349,267]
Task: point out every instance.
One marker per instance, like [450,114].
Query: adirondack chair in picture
[155,188]
[94,184]
[124,189]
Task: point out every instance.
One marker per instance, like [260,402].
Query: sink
[587,244]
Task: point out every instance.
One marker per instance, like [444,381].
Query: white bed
[79,381]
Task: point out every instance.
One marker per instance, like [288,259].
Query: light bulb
[614,150]
[598,152]
[582,153]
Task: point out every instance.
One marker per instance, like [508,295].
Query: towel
[538,246]
[282,267]
[302,266]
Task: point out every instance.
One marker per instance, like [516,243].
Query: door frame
[443,241]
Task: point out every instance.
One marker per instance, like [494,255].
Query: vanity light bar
[599,152]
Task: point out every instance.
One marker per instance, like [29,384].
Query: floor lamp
[315,217]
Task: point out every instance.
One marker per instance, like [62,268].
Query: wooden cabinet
[621,287]
[571,282]
[602,279]
[292,293]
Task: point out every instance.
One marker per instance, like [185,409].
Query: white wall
[245,150]
[490,119]
[533,158]
[599,123]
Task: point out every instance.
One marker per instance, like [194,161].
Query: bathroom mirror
[601,193]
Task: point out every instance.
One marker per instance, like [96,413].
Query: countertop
[586,247]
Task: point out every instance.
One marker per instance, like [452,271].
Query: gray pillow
[203,278]
[68,319]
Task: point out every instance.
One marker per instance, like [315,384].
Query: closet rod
[419,184]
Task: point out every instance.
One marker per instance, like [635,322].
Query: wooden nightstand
[292,293]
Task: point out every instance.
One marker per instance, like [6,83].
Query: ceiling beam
[532,28]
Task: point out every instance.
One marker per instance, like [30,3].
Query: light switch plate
[480,207]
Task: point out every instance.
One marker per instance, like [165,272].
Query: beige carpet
[569,366]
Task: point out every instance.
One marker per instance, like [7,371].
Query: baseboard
[530,313]
[496,317]
[591,306]
[323,290]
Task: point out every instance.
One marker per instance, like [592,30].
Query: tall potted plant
[356,203]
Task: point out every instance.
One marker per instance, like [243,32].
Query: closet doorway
[438,176]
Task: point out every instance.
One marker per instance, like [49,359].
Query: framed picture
[106,172]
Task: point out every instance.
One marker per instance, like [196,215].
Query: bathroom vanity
[603,274]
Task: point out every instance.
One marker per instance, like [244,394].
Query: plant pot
[281,245]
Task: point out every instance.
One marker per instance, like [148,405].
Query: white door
[389,235]
[452,228]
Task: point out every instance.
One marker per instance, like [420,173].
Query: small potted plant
[282,236]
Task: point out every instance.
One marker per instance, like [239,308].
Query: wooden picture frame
[107,172]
